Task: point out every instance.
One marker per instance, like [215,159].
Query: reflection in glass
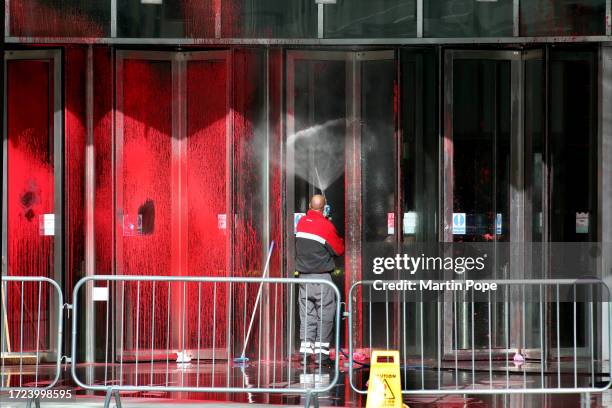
[269,19]
[481,183]
[579,17]
[60,18]
[535,138]
[317,142]
[481,144]
[573,177]
[174,19]
[319,138]
[371,19]
[30,192]
[467,18]
[419,159]
[379,227]
[419,185]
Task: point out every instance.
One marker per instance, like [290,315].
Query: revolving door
[341,142]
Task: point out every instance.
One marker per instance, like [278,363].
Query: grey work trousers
[317,311]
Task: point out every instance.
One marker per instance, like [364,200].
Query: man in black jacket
[317,243]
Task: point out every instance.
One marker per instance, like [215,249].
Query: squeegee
[244,359]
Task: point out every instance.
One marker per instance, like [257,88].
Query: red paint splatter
[75,125]
[30,189]
[103,151]
[146,175]
[201,17]
[30,18]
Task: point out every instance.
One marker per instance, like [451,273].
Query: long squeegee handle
[265,273]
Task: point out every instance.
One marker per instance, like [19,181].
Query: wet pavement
[296,378]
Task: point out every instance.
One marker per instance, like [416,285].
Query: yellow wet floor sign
[384,386]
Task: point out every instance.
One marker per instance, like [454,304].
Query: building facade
[182,137]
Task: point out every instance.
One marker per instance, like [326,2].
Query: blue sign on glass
[459,223]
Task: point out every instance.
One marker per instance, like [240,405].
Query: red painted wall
[30,171]
[75,59]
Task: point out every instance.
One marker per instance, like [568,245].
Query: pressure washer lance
[327,208]
[243,359]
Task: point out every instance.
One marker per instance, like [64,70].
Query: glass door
[341,127]
[525,185]
[32,195]
[477,180]
[483,187]
[172,193]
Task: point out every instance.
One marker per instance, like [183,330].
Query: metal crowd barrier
[31,336]
[452,363]
[187,334]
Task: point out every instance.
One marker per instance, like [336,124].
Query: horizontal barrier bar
[537,345]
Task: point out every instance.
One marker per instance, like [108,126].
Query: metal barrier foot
[36,403]
[311,397]
[107,399]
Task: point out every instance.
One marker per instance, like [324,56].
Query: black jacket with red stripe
[316,244]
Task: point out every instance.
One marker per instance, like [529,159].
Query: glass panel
[319,138]
[205,185]
[419,184]
[573,178]
[318,143]
[378,180]
[481,184]
[420,146]
[60,18]
[30,196]
[573,134]
[147,207]
[174,19]
[249,147]
[269,18]
[578,17]
[535,153]
[175,197]
[481,148]
[371,19]
[467,18]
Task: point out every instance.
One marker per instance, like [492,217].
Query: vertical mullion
[608,17]
[113,22]
[419,18]
[117,151]
[265,176]
[517,194]
[546,174]
[516,18]
[4,265]
[7,19]
[89,205]
[605,157]
[217,7]
[446,194]
[353,167]
[320,21]
[290,193]
[182,140]
[229,198]
[58,158]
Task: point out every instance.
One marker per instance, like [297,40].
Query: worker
[317,244]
